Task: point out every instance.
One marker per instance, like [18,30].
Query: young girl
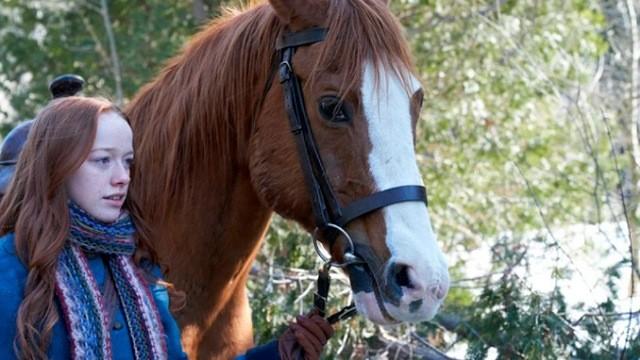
[79,277]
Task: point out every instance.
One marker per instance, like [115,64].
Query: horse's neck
[209,249]
[209,234]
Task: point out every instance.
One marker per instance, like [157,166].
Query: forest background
[528,143]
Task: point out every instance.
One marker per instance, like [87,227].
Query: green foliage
[42,39]
[493,84]
[514,138]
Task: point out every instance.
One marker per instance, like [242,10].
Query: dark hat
[66,85]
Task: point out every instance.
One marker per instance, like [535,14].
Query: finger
[306,345]
[324,325]
[303,333]
[311,356]
[313,328]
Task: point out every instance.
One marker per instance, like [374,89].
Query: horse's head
[362,103]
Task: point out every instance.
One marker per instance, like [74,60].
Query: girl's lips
[115,203]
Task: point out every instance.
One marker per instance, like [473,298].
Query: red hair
[35,209]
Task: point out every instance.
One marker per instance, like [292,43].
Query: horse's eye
[332,109]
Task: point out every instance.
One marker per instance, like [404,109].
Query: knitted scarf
[84,310]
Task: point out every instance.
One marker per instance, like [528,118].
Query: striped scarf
[84,310]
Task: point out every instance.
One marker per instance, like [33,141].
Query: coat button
[117,325]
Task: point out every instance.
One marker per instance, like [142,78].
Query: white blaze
[410,237]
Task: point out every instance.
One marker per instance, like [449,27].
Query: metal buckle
[349,257]
[285,70]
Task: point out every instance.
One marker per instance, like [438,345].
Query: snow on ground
[585,253]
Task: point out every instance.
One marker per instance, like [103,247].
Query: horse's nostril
[402,276]
[439,291]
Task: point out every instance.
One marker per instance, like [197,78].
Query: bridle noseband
[330,218]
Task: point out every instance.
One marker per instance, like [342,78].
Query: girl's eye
[102,161]
[129,162]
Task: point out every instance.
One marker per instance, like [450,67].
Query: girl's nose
[121,175]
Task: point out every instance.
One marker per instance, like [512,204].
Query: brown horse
[216,157]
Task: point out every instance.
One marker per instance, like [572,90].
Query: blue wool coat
[13,276]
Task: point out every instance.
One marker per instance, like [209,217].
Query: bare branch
[99,48]
[429,346]
[115,61]
[403,350]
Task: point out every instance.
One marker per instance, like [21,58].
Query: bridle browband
[330,218]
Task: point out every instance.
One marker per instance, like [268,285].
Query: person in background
[80,278]
[61,86]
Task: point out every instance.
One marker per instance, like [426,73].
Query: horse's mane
[192,122]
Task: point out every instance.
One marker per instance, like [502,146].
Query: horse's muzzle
[397,289]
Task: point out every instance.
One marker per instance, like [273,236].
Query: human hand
[306,338]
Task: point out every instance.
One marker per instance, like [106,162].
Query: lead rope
[324,276]
[322,293]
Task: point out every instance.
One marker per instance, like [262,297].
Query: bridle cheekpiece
[330,218]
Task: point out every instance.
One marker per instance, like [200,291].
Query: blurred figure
[64,85]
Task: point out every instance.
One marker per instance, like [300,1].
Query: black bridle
[330,218]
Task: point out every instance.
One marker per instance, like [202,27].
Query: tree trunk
[633,124]
[199,12]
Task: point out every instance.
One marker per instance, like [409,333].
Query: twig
[608,315]
[426,343]
[343,341]
[99,48]
[304,293]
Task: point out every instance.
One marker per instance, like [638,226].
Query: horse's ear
[301,14]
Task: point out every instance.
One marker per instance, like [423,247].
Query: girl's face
[100,185]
